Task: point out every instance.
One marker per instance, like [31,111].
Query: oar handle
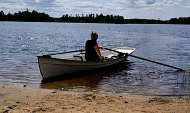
[81,50]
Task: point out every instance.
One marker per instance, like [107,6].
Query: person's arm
[96,47]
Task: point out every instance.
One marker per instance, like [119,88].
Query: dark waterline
[21,42]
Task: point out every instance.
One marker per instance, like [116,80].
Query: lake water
[21,42]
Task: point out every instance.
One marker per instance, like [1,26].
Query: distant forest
[180,20]
[35,16]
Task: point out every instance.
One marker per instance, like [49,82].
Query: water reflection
[124,79]
[181,86]
[89,81]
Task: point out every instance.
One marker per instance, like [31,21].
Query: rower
[92,48]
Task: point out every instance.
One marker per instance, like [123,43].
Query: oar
[81,50]
[179,69]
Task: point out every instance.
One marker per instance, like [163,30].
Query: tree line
[180,20]
[145,21]
[93,18]
[27,16]
[35,16]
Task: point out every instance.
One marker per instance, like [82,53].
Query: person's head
[94,35]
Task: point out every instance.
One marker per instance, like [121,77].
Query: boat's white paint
[50,67]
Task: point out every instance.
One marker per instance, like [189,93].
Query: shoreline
[36,100]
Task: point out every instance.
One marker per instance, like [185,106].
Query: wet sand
[35,100]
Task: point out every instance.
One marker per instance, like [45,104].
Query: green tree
[119,19]
[2,16]
[10,17]
[173,21]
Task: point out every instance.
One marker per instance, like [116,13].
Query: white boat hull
[51,67]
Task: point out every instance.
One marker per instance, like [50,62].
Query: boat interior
[106,54]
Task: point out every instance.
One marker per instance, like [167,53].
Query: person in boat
[92,48]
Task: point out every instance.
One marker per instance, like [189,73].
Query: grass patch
[161,100]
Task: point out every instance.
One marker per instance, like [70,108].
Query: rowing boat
[51,67]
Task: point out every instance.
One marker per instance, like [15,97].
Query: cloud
[12,6]
[12,1]
[61,3]
[87,4]
[150,8]
[188,5]
[37,1]
[40,3]
[77,7]
[148,3]
[57,8]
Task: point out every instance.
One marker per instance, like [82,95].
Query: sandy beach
[35,100]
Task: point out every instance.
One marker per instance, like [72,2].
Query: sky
[130,9]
